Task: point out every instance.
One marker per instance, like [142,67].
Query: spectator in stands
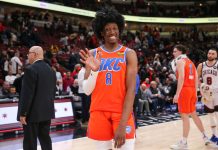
[5,91]
[92,41]
[59,79]
[76,71]
[142,70]
[167,89]
[13,91]
[54,49]
[154,96]
[5,65]
[64,40]
[143,101]
[16,63]
[13,39]
[10,77]
[157,60]
[53,60]
[20,72]
[75,87]
[163,74]
[67,81]
[72,60]
[173,84]
[147,82]
[48,56]
[159,84]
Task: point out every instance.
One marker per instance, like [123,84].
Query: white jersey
[209,87]
[210,75]
[206,92]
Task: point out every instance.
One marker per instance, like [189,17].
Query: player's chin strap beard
[210,59]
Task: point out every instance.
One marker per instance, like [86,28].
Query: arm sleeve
[89,84]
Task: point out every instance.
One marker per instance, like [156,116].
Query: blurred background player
[186,94]
[208,71]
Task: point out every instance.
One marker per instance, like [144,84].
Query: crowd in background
[63,38]
[146,8]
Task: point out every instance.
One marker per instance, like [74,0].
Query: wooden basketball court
[153,137]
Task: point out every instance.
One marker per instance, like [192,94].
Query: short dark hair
[104,16]
[181,48]
[213,49]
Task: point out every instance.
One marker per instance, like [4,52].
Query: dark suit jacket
[18,84]
[37,93]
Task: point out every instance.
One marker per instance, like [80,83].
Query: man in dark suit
[36,105]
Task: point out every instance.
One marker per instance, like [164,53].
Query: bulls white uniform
[210,79]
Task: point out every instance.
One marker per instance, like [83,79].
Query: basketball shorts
[102,125]
[187,100]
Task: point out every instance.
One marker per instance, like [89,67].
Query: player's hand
[175,99]
[23,120]
[120,136]
[204,100]
[88,59]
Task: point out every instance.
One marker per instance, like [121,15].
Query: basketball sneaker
[180,146]
[206,140]
[214,139]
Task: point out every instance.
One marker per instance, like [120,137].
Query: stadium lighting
[128,18]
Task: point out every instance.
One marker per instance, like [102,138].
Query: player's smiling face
[111,33]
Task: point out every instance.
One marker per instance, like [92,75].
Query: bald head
[38,50]
[35,53]
[153,84]
[143,86]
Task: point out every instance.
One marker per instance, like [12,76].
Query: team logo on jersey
[120,53]
[128,129]
[111,64]
[209,71]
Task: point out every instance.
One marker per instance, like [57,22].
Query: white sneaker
[206,140]
[180,146]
